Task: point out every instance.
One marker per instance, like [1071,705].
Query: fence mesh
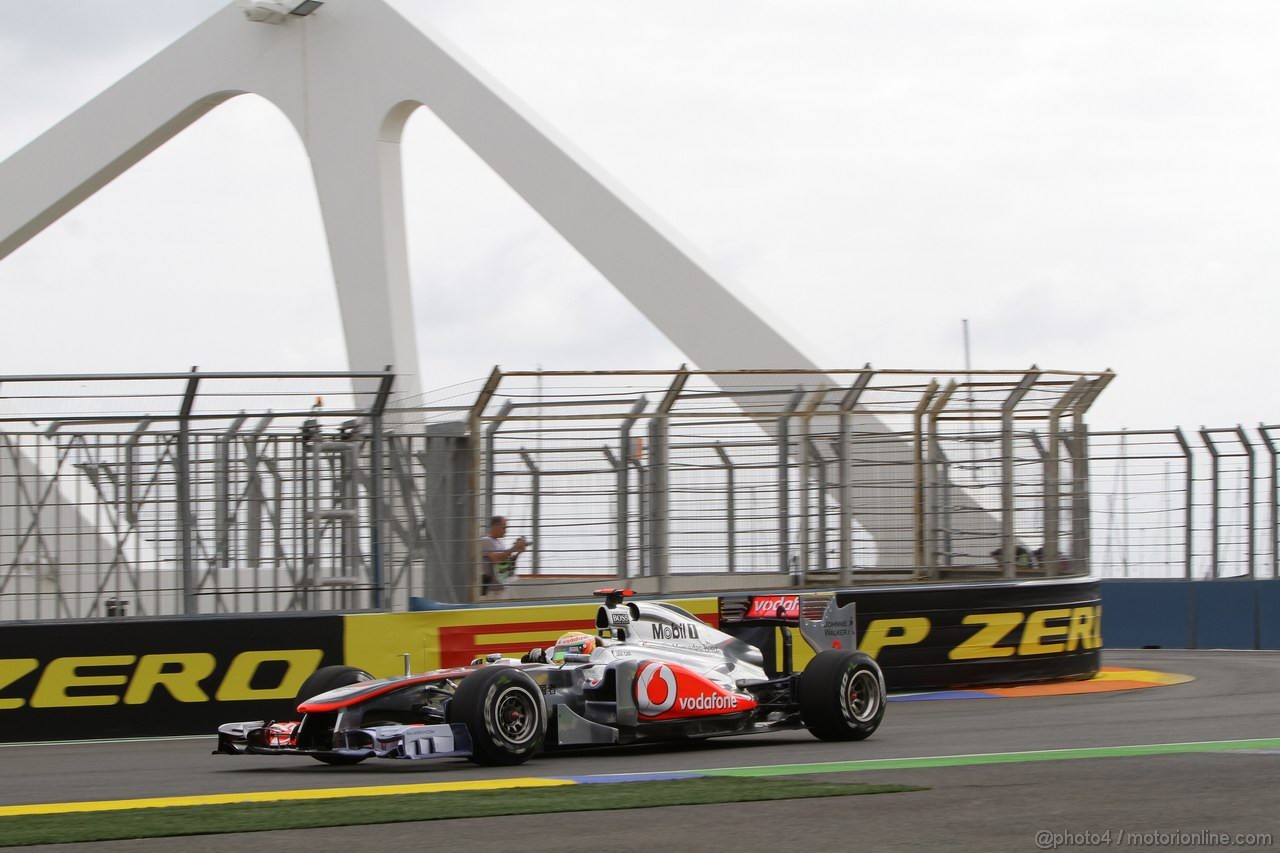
[206,493]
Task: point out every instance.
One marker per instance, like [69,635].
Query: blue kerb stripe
[943,694]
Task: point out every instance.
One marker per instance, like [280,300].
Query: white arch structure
[348,77]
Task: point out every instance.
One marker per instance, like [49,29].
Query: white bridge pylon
[348,77]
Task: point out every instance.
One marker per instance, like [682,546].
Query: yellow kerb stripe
[1142,675]
[276,796]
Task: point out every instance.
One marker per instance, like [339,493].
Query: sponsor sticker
[280,734]
[655,690]
[766,606]
[669,691]
[677,631]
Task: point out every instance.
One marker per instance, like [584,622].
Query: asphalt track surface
[1236,695]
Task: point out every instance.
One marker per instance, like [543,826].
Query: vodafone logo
[709,702]
[655,689]
[766,606]
[668,691]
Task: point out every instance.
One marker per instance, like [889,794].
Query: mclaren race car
[648,671]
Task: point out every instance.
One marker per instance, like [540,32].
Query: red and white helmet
[573,643]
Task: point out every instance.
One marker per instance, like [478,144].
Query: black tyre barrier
[963,635]
[141,677]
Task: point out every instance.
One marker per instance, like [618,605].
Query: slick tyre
[842,695]
[323,680]
[503,710]
[328,678]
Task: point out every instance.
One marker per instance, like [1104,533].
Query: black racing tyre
[328,678]
[323,680]
[503,710]
[340,760]
[841,695]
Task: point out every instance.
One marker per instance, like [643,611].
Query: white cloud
[1092,184]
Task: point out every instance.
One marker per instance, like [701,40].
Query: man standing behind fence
[498,561]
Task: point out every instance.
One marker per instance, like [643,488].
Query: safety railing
[1196,504]
[207,493]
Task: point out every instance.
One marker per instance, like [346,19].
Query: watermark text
[1123,838]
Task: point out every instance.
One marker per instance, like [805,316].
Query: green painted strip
[994,758]
[250,817]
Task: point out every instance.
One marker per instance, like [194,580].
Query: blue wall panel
[1141,613]
[1226,614]
[1181,614]
[1269,614]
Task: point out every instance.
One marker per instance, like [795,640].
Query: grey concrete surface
[965,809]
[1236,695]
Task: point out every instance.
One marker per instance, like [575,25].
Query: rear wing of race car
[822,622]
[824,625]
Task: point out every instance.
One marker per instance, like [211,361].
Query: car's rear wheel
[842,695]
[323,680]
[503,711]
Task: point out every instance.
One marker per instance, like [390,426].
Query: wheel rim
[515,715]
[860,699]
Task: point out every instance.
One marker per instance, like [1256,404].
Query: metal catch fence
[215,492]
[1197,504]
[813,478]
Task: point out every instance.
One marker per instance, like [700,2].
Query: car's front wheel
[503,710]
[328,678]
[322,681]
[842,695]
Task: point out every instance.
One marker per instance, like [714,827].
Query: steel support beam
[1008,538]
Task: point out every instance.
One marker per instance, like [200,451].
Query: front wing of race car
[446,740]
[389,741]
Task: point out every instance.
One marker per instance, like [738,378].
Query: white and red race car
[648,671]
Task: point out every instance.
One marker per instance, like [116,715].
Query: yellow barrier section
[801,652]
[376,642]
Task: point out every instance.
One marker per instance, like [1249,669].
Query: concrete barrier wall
[1181,614]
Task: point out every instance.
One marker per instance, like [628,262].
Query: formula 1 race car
[650,671]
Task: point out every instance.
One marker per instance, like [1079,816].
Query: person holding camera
[498,560]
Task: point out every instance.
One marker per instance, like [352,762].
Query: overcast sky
[1091,184]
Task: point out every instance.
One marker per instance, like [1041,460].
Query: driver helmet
[573,643]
